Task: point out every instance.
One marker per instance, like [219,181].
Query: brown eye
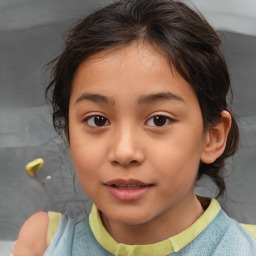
[97,121]
[159,121]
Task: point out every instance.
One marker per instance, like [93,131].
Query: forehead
[139,55]
[138,68]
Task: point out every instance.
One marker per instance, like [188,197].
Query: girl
[140,94]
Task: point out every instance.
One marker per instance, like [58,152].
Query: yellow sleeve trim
[168,246]
[54,221]
[250,229]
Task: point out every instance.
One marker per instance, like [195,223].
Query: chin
[131,219]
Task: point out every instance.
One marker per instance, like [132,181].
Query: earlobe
[216,138]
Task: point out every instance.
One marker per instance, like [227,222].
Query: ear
[216,138]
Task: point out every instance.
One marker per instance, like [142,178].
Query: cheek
[87,162]
[87,155]
[177,158]
[176,174]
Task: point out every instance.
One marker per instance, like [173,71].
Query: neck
[160,228]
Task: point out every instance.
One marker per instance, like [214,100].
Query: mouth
[127,184]
[128,190]
[129,187]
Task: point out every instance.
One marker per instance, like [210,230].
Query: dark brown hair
[183,36]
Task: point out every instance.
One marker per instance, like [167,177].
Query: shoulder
[32,238]
[250,228]
[237,239]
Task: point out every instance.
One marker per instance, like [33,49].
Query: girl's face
[136,135]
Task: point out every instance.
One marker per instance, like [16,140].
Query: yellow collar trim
[168,246]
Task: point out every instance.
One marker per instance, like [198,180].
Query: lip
[128,190]
[125,182]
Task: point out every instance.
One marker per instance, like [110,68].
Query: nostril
[125,156]
[115,163]
[133,162]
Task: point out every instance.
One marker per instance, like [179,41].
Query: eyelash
[166,119]
[87,119]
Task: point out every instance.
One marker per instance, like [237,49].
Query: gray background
[30,36]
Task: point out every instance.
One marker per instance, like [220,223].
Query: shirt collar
[166,247]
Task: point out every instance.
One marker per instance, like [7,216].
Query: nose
[125,148]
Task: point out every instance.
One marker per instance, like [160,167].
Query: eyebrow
[159,97]
[143,99]
[95,98]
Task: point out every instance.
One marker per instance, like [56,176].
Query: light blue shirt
[222,237]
